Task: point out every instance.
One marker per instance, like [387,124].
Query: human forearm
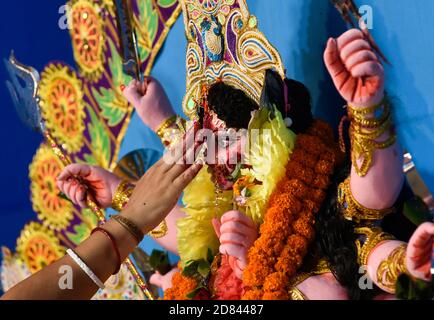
[97,253]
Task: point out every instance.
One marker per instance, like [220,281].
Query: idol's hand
[419,252]
[163,282]
[355,69]
[236,233]
[76,181]
[150,101]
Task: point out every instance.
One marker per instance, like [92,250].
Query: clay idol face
[225,150]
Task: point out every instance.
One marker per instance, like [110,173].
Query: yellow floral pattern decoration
[62,105]
[38,246]
[87,33]
[54,211]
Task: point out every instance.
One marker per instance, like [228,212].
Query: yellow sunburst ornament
[62,105]
[87,34]
[54,211]
[38,247]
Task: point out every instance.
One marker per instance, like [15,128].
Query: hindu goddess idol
[293,217]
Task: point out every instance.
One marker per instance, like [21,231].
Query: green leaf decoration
[190,269]
[81,232]
[166,3]
[199,269]
[116,67]
[112,108]
[91,217]
[204,268]
[100,141]
[210,256]
[159,261]
[111,101]
[409,289]
[146,27]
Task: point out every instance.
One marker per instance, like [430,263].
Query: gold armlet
[172,130]
[353,210]
[391,268]
[294,292]
[322,267]
[122,195]
[374,236]
[365,132]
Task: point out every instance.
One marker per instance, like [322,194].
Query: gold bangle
[165,125]
[161,231]
[374,236]
[391,268]
[122,195]
[130,226]
[363,111]
[360,116]
[353,210]
[173,129]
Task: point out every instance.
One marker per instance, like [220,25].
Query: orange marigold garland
[288,230]
[181,287]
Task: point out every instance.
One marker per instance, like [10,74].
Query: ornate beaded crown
[224,44]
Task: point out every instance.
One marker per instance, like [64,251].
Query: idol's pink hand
[419,252]
[355,69]
[99,183]
[236,233]
[150,101]
[163,282]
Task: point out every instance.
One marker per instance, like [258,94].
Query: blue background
[298,28]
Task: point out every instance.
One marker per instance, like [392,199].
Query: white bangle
[85,268]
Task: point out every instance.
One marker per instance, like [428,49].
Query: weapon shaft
[128,39]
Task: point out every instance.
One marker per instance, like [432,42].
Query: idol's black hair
[234,106]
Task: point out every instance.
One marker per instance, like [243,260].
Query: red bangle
[114,245]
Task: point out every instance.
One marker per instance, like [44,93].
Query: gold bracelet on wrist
[374,236]
[360,116]
[165,125]
[161,231]
[122,195]
[352,210]
[391,268]
[365,132]
[130,226]
[171,131]
[360,111]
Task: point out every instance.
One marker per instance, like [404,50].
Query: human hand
[158,191]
